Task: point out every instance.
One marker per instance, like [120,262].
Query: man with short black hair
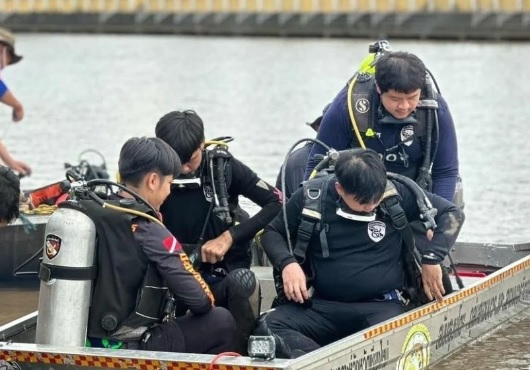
[9,196]
[353,254]
[140,262]
[203,212]
[385,109]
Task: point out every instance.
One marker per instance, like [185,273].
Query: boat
[495,278]
[20,241]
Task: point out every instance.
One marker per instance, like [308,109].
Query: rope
[41,210]
[219,356]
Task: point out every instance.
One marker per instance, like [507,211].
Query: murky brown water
[507,349]
[17,302]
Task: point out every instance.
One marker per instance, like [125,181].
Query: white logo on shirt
[407,134]
[376,230]
[208,192]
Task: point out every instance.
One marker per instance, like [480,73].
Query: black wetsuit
[185,212]
[355,285]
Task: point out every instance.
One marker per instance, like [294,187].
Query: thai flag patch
[172,245]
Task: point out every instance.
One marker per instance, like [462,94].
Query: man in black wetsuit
[220,235]
[354,257]
[140,262]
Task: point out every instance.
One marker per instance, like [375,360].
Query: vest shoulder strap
[315,191]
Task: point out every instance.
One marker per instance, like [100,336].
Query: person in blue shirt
[8,57]
[391,116]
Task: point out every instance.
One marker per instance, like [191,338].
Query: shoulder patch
[172,245]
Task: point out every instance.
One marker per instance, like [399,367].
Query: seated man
[355,263]
[123,294]
[9,195]
[205,216]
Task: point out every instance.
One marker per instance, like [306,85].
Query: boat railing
[264,6]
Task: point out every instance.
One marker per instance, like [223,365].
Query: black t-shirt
[364,257]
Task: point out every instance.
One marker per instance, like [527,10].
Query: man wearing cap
[8,56]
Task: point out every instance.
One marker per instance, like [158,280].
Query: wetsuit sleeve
[445,165]
[274,238]
[246,183]
[449,220]
[165,252]
[335,131]
[3,88]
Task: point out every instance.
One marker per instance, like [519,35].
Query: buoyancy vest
[128,294]
[367,110]
[312,222]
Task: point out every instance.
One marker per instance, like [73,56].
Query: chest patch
[407,135]
[376,230]
[208,192]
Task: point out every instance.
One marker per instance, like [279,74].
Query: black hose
[27,262]
[427,212]
[282,185]
[453,267]
[137,196]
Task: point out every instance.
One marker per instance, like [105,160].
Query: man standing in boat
[8,56]
[397,112]
[9,196]
[203,212]
[351,233]
[140,262]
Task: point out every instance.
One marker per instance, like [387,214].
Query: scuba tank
[66,274]
[68,269]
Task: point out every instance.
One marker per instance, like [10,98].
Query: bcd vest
[366,108]
[128,294]
[216,172]
[312,222]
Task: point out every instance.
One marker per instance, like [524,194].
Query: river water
[96,91]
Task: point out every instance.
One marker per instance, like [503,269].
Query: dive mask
[187,182]
[345,212]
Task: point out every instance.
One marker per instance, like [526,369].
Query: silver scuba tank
[66,274]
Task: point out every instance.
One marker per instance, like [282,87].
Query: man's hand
[431,275]
[214,250]
[294,283]
[18,113]
[19,166]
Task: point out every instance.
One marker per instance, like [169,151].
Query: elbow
[203,308]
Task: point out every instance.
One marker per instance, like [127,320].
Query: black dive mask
[386,118]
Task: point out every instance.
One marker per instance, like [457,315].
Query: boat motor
[66,274]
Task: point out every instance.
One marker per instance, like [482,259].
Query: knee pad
[242,282]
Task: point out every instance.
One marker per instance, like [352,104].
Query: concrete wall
[423,25]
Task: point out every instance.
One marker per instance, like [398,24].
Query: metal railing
[262,6]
